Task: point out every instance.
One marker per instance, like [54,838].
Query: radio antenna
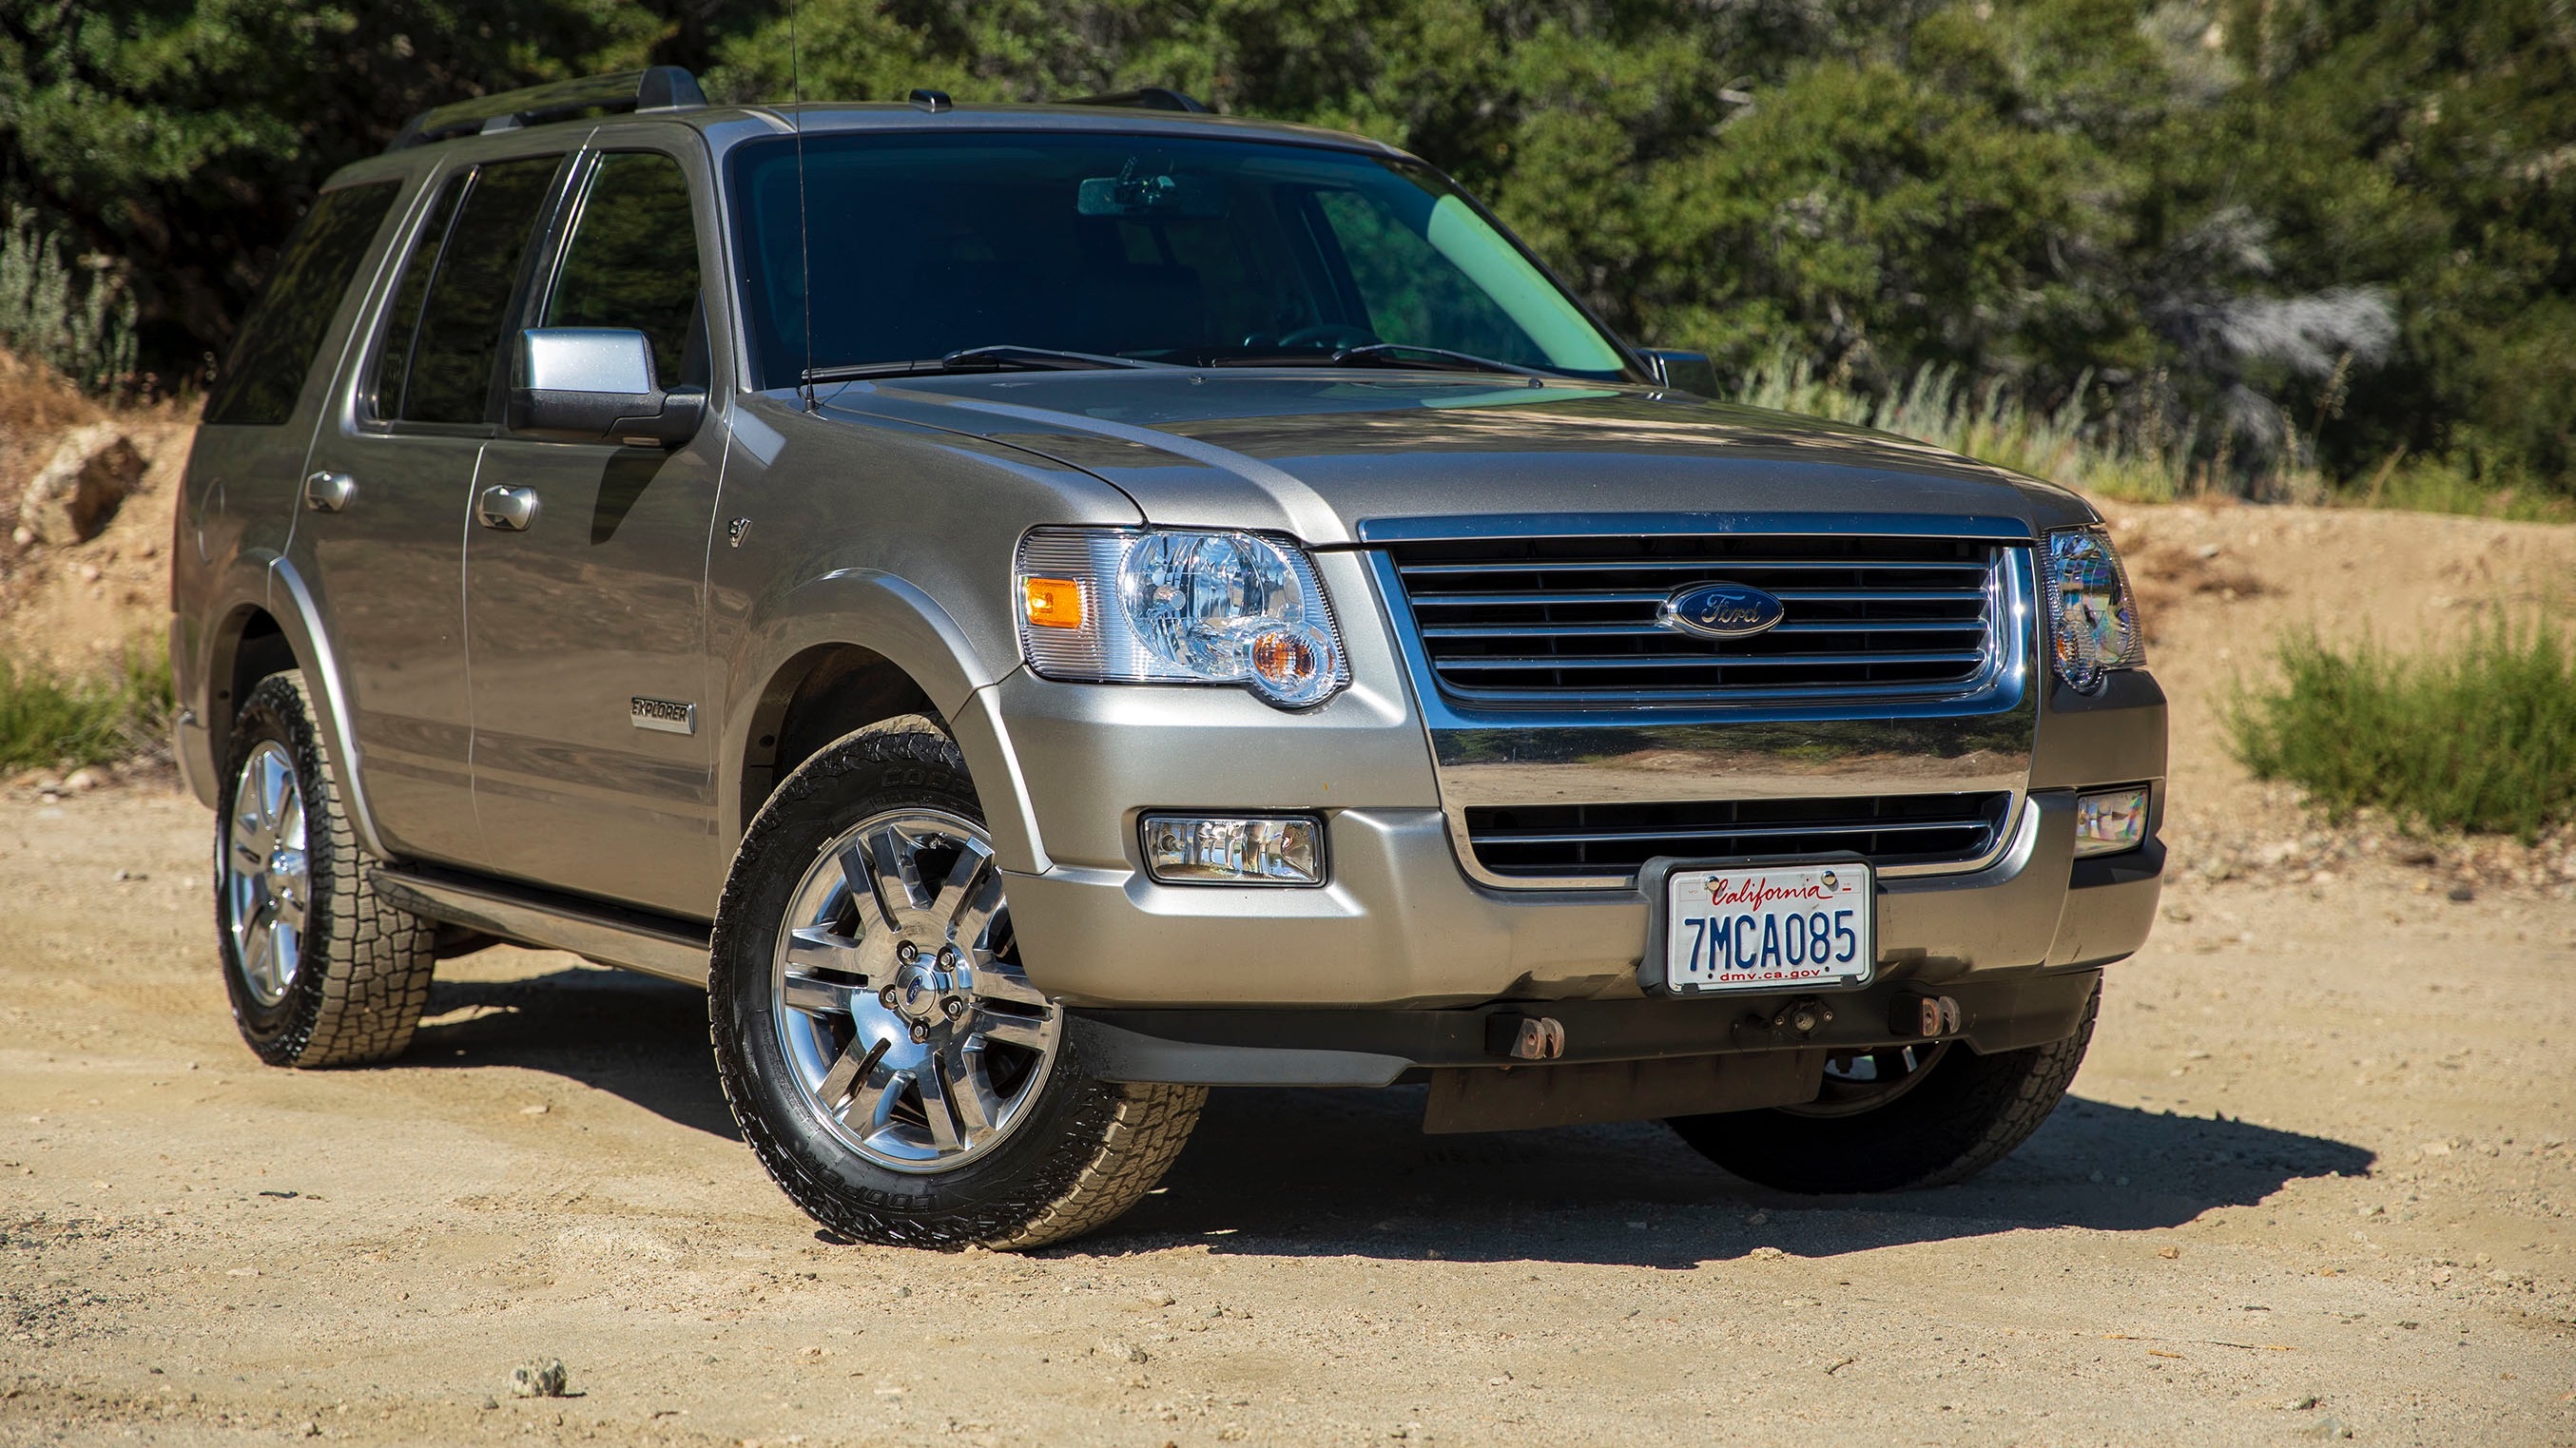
[804,228]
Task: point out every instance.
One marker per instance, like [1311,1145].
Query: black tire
[1082,1152]
[1965,1114]
[361,977]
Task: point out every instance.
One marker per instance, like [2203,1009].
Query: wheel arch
[850,648]
[816,696]
[274,631]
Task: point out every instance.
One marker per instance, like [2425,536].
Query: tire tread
[376,961]
[1122,1137]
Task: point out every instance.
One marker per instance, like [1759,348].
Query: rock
[2462,894]
[73,496]
[85,779]
[1118,1352]
[538,1378]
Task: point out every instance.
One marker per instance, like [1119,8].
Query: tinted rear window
[459,337]
[262,379]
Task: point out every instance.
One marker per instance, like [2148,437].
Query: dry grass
[47,720]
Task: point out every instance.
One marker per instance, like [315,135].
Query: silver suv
[1042,610]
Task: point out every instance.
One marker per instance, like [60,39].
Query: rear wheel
[320,971]
[1899,1118]
[883,1051]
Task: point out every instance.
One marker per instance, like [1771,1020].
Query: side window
[262,379]
[633,262]
[402,329]
[445,331]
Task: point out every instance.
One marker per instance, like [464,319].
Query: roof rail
[1145,98]
[656,88]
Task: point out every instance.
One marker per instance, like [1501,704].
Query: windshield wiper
[1387,354]
[998,358]
[1463,361]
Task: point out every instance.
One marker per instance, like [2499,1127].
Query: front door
[594,757]
[389,558]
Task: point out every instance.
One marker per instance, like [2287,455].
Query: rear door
[594,761]
[389,560]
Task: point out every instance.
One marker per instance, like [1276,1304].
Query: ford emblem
[1721,610]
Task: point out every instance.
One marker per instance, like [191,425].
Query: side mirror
[596,384]
[1689,372]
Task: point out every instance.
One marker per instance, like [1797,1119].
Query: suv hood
[1342,456]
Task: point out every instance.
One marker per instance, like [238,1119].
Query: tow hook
[1925,1016]
[1525,1038]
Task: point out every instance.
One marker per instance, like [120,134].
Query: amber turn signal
[1052,602]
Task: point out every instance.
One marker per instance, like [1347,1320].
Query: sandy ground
[2315,1180]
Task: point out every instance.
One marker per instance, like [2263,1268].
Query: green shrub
[77,317]
[2479,738]
[46,720]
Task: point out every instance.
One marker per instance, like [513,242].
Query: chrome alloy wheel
[268,878]
[901,1011]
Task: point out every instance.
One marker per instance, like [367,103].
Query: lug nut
[947,957]
[920,1033]
[907,952]
[887,998]
[953,1005]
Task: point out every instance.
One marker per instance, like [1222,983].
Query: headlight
[2092,617]
[1128,605]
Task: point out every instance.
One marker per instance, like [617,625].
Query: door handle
[509,509]
[329,492]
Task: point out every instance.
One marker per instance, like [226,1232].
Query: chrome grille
[1538,841]
[1555,621]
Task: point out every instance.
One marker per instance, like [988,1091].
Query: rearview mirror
[1689,372]
[1140,193]
[596,384]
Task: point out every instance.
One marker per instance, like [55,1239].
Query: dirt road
[2318,1154]
[2315,1179]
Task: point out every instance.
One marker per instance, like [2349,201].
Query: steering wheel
[1329,334]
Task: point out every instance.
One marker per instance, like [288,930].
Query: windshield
[1200,252]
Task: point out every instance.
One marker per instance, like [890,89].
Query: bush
[2482,738]
[46,720]
[76,318]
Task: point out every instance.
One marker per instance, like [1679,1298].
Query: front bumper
[1401,926]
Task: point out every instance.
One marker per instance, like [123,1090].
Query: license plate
[1774,927]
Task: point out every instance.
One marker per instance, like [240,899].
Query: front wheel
[1897,1119]
[883,1052]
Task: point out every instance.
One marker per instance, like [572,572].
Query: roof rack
[1145,98]
[656,88]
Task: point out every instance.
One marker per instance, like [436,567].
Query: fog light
[1234,850]
[2110,822]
